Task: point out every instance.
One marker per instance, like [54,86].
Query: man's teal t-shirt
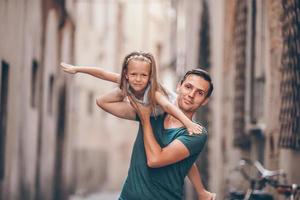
[164,183]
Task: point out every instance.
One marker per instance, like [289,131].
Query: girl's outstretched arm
[94,71]
[196,181]
[177,113]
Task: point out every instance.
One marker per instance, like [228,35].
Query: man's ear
[177,87]
[205,101]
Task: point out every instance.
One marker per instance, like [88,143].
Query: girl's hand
[68,68]
[194,128]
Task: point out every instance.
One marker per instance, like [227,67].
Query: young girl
[138,80]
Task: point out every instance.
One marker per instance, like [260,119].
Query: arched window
[3,114]
[50,94]
[34,84]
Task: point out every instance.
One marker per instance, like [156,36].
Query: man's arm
[195,178]
[113,103]
[157,156]
[94,71]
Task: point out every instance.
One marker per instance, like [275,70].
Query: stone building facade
[35,148]
[254,111]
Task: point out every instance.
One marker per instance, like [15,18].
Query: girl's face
[138,75]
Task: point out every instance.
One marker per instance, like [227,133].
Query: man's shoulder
[193,142]
[203,135]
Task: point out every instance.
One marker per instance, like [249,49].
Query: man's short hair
[203,74]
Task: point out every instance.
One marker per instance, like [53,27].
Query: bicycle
[291,192]
[266,177]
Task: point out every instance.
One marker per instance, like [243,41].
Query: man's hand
[206,195]
[156,155]
[68,68]
[143,112]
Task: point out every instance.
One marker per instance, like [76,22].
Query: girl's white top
[146,101]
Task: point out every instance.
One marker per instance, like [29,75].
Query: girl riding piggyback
[138,80]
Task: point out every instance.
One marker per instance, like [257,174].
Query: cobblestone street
[105,195]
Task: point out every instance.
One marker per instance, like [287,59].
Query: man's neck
[172,122]
[188,114]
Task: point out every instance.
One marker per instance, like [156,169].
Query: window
[34,84]
[290,81]
[256,92]
[50,94]
[204,42]
[240,35]
[3,112]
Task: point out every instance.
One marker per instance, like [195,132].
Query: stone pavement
[105,195]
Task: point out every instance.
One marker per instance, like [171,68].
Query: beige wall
[19,47]
[30,161]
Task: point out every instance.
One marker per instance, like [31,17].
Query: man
[164,151]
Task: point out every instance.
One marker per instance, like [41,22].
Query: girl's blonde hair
[154,85]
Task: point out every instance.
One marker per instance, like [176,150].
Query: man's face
[192,93]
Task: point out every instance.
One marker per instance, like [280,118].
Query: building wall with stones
[259,72]
[35,148]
